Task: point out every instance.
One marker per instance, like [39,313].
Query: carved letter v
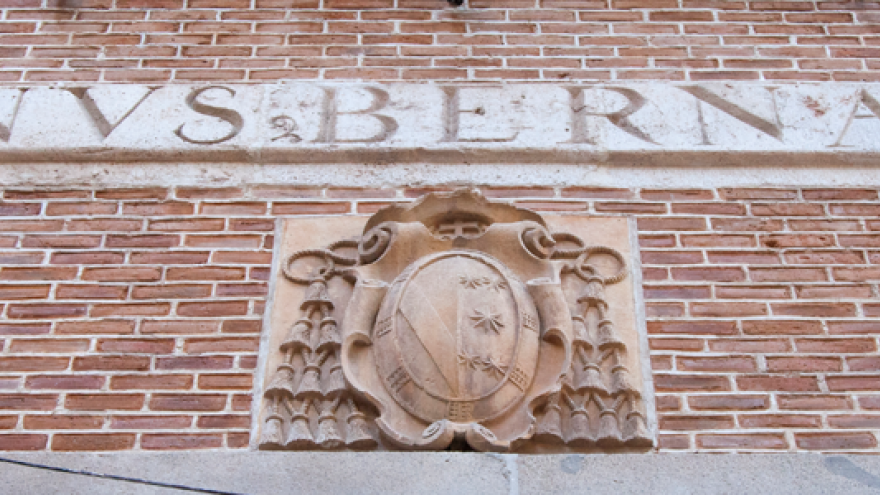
[98,118]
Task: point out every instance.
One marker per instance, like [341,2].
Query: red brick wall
[265,40]
[131,317]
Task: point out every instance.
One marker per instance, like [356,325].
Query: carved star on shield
[487,319]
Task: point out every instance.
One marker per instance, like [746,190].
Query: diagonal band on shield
[432,333]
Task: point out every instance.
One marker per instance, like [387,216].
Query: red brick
[208,192]
[187,225]
[714,240]
[717,363]
[187,402]
[241,326]
[777,383]
[50,345]
[23,441]
[194,363]
[782,274]
[852,383]
[158,209]
[133,193]
[814,402]
[64,382]
[62,442]
[854,345]
[24,328]
[88,258]
[835,441]
[136,346]
[757,441]
[62,422]
[219,308]
[61,241]
[142,241]
[796,240]
[672,442]
[715,274]
[151,382]
[752,292]
[225,381]
[111,363]
[805,364]
[750,345]
[9,292]
[305,208]
[695,383]
[729,402]
[88,209]
[32,363]
[727,309]
[780,421]
[178,327]
[692,327]
[170,257]
[782,327]
[171,291]
[855,421]
[131,309]
[94,327]
[178,441]
[146,422]
[104,402]
[221,345]
[816,309]
[122,274]
[685,423]
[225,421]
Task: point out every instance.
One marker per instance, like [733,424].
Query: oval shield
[451,334]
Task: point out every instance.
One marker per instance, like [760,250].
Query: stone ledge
[316,122]
[446,472]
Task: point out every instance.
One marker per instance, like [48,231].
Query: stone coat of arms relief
[450,321]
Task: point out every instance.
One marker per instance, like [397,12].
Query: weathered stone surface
[454,319]
[311,122]
[448,472]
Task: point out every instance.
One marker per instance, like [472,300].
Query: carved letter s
[225,114]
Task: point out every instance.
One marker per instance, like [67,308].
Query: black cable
[113,477]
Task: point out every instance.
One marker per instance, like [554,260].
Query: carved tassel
[635,430]
[580,332]
[591,380]
[329,335]
[282,382]
[328,435]
[310,385]
[579,429]
[578,434]
[606,336]
[271,436]
[300,435]
[317,297]
[357,435]
[620,381]
[593,293]
[299,335]
[335,382]
[549,429]
[609,431]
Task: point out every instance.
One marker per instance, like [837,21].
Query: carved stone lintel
[455,319]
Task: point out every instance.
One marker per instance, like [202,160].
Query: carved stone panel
[454,322]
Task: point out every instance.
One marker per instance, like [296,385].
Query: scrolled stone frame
[455,321]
